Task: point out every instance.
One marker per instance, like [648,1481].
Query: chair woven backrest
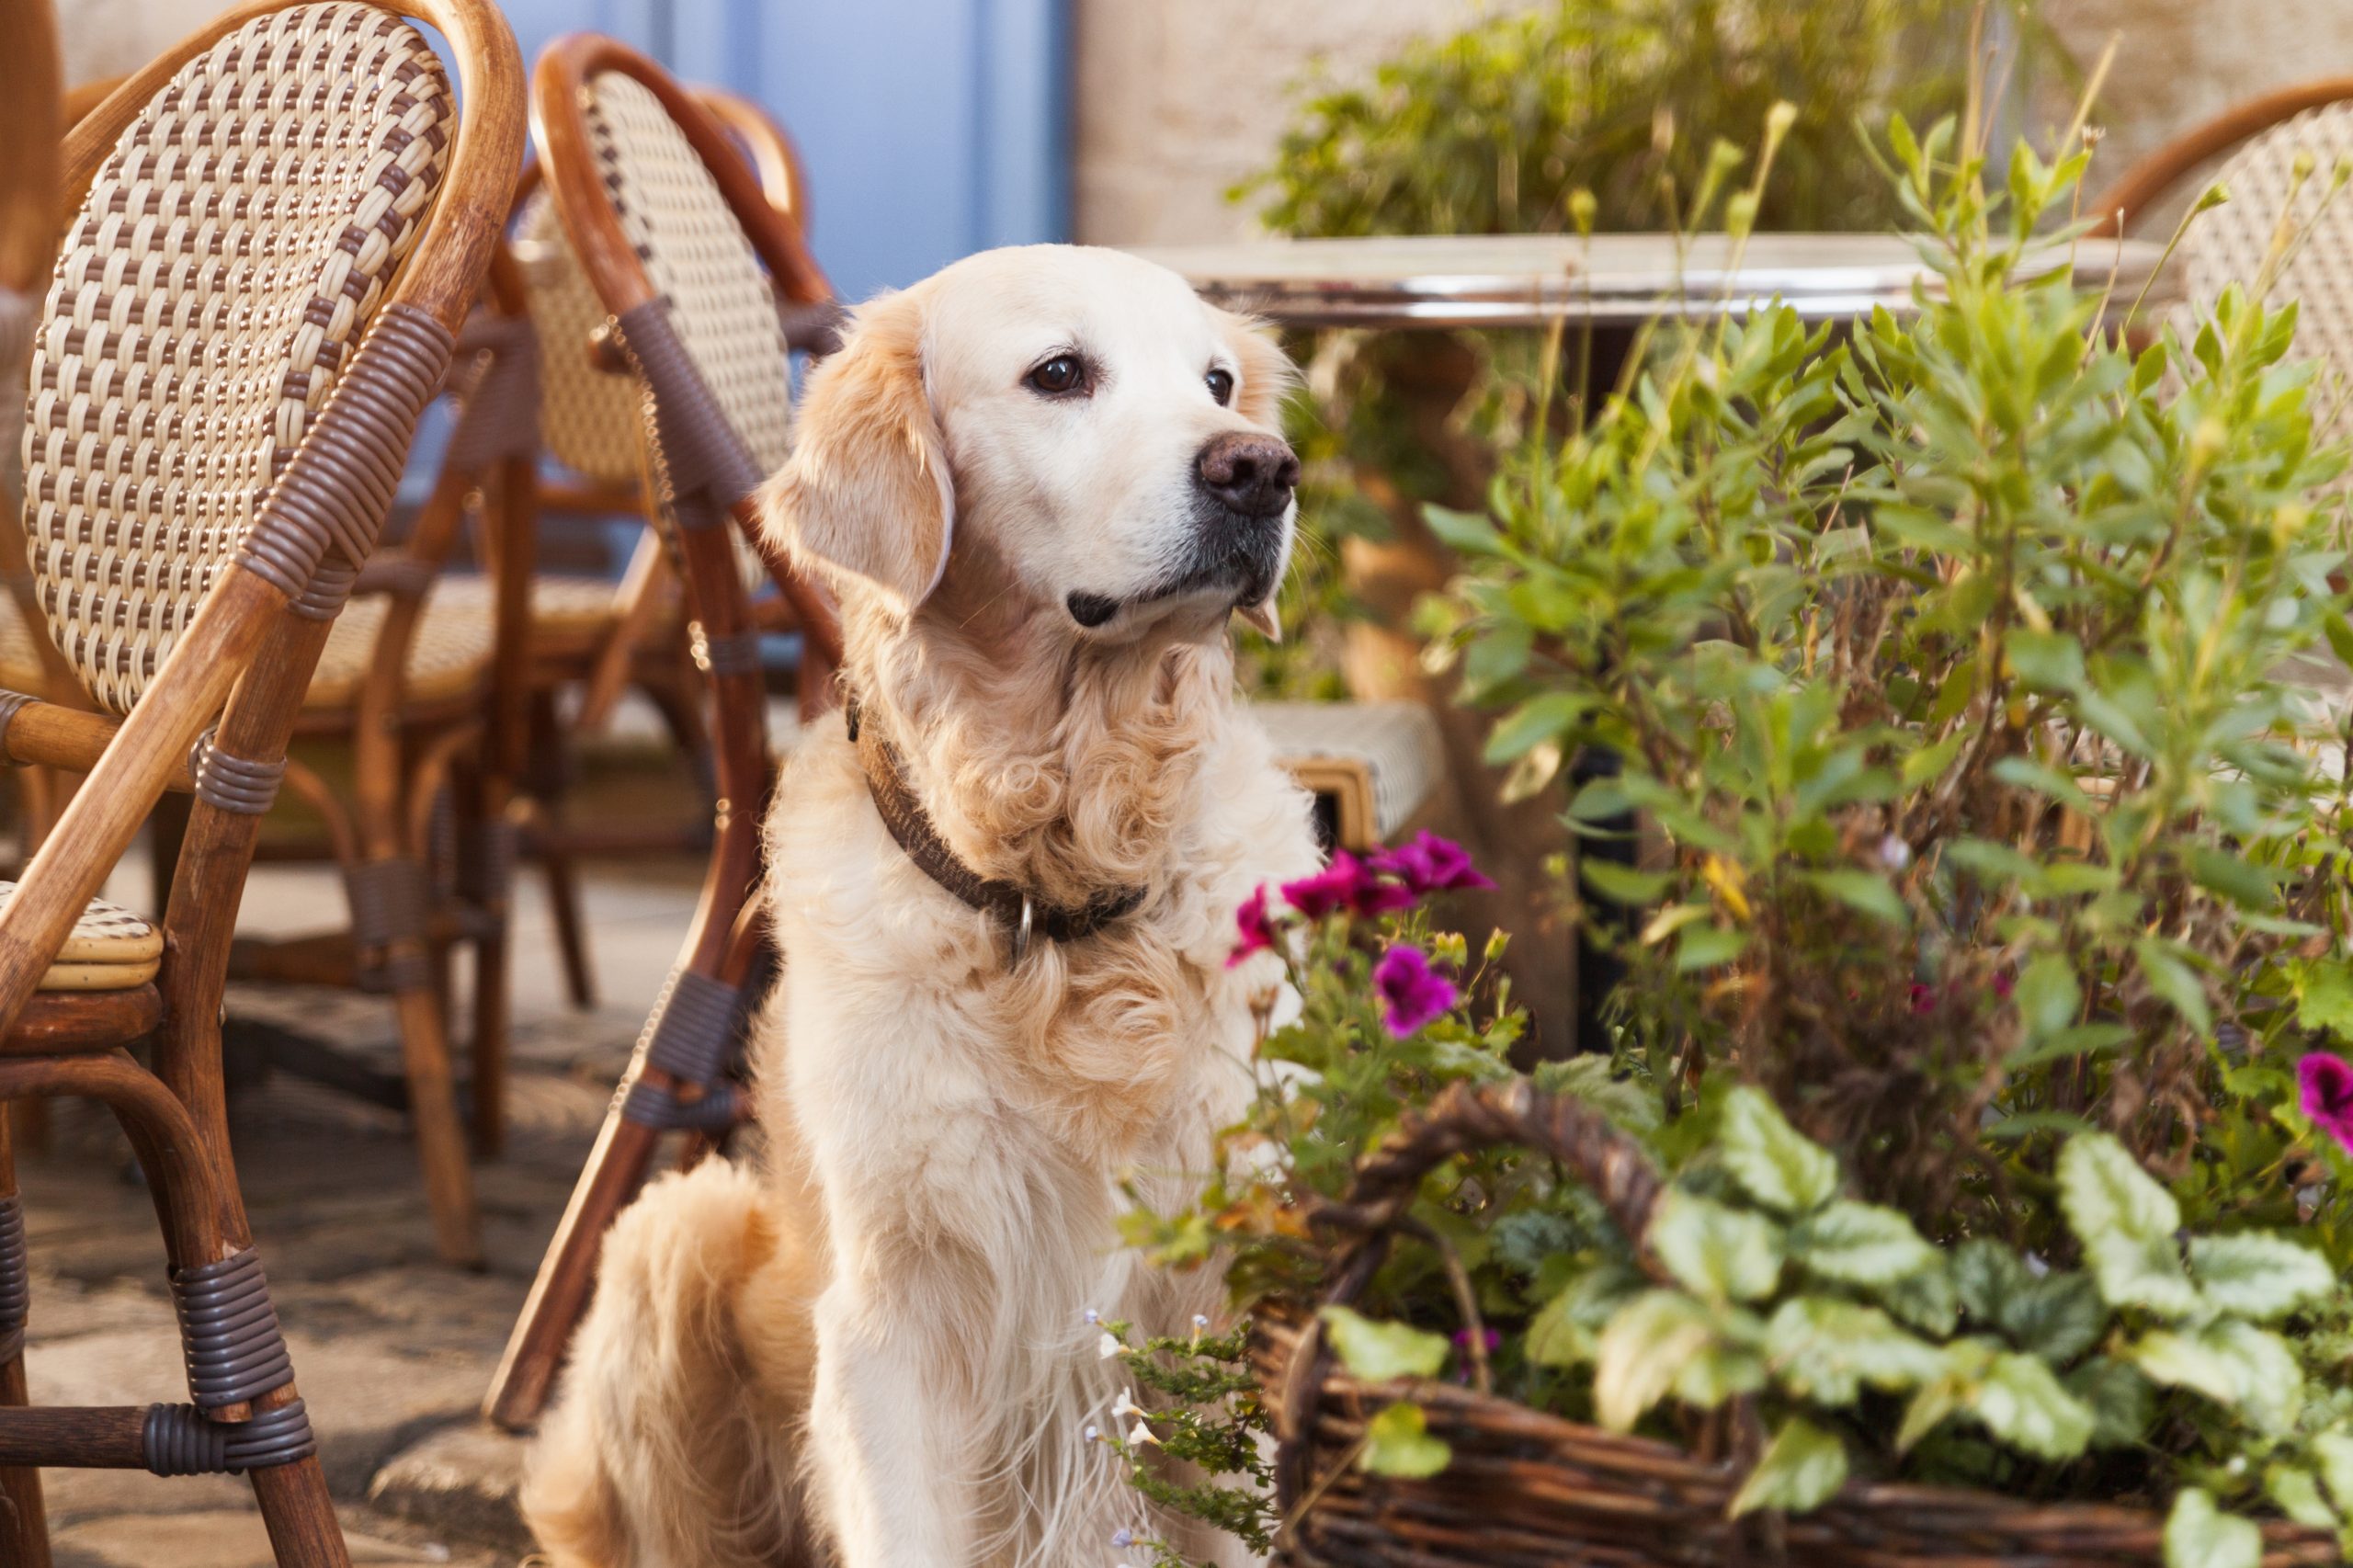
[2228,244]
[697,258]
[230,255]
[587,417]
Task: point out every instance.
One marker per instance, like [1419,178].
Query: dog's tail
[675,1439]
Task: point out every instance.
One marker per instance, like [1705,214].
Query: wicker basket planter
[1531,1490]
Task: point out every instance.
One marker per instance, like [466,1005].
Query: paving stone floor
[393,1349]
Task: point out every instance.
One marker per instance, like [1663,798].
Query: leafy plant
[1990,954]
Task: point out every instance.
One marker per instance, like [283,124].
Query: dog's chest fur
[1122,1052]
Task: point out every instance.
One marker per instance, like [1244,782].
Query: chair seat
[1375,767]
[449,656]
[110,949]
[563,609]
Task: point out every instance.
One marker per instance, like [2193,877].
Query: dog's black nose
[1252,474]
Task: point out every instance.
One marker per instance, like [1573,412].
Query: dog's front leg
[893,1424]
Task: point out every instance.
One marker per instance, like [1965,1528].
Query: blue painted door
[931,128]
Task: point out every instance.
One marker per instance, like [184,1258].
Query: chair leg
[296,1511]
[24,1532]
[433,1112]
[545,776]
[485,876]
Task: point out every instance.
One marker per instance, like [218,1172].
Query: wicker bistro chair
[278,228]
[591,633]
[688,256]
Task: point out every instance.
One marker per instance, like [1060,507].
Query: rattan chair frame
[246,657]
[2119,207]
[673,1079]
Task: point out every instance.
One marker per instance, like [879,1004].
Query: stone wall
[1177,100]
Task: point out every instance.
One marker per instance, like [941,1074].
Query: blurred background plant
[1598,115]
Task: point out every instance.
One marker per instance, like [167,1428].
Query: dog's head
[1066,426]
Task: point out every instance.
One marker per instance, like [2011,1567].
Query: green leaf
[1774,1162]
[1948,1393]
[1556,1337]
[2334,1452]
[2048,995]
[1467,532]
[2174,983]
[1713,1251]
[1987,1274]
[1377,1351]
[1704,946]
[2324,996]
[1590,1079]
[1825,1350]
[1867,891]
[2230,1362]
[1927,1300]
[2051,660]
[1622,884]
[2022,1403]
[1799,1470]
[1725,1368]
[2126,1223]
[1644,1344]
[2297,1492]
[2057,1317]
[1861,1244]
[2244,883]
[1398,1442]
[1538,720]
[2120,1399]
[2200,1535]
[2258,1277]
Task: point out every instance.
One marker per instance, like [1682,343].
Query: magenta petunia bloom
[1347,883]
[1412,991]
[1258,931]
[1924,998]
[2327,1083]
[1430,864]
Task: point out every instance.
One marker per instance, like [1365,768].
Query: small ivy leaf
[2258,1277]
[1725,1369]
[1799,1470]
[1987,1273]
[1643,1345]
[1378,1351]
[1774,1162]
[1950,1392]
[2057,1317]
[2200,1535]
[2230,1362]
[1860,1244]
[1623,1101]
[2184,1361]
[2297,1493]
[1825,1350]
[2120,1399]
[1927,1300]
[1714,1251]
[1555,1338]
[1398,1442]
[2022,1403]
[2126,1223]
[2334,1451]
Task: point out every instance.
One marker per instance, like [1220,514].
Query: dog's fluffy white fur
[872,1350]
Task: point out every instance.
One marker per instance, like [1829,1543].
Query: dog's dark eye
[1220,384]
[1061,374]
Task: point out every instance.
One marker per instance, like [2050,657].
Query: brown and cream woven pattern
[231,251]
[699,259]
[587,417]
[2228,243]
[109,948]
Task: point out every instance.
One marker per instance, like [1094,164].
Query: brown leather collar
[1020,915]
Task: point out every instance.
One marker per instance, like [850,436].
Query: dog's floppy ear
[867,490]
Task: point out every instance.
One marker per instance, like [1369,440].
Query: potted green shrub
[1968,1182]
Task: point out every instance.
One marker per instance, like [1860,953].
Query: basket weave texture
[1527,1489]
[587,417]
[2228,243]
[698,258]
[232,249]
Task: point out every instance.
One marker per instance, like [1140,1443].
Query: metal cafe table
[1612,285]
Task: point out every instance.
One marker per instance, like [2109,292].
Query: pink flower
[1412,993]
[1257,930]
[2327,1083]
[1924,998]
[2004,984]
[1347,883]
[1430,864]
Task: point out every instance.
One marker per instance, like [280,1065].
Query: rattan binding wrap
[231,251]
[2228,243]
[1526,1489]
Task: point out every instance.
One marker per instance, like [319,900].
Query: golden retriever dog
[1041,482]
